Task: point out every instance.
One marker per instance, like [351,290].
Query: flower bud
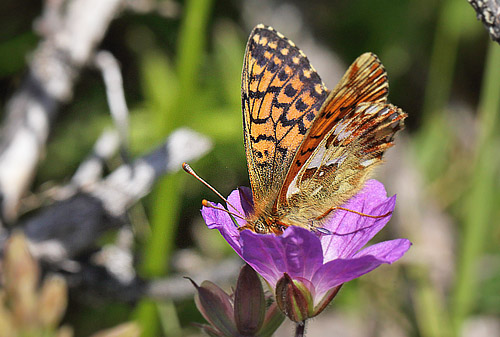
[248,317]
[294,299]
[215,306]
[249,302]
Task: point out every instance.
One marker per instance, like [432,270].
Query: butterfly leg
[247,226]
[319,230]
[322,230]
[352,211]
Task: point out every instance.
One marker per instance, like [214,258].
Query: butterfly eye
[260,228]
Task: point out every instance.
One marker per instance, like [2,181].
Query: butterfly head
[265,225]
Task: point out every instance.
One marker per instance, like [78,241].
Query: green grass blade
[479,203]
[167,194]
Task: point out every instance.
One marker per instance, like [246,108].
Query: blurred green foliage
[185,70]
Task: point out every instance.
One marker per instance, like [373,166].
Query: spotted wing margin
[364,81]
[281,95]
[339,166]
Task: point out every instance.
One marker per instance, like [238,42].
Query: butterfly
[309,149]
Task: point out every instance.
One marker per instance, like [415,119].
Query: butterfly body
[309,150]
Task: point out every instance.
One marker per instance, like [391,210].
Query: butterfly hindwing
[281,96]
[364,81]
[339,165]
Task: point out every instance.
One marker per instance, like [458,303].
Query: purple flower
[312,265]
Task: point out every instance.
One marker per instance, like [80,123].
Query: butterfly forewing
[364,81]
[281,96]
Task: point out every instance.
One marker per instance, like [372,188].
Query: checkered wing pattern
[281,96]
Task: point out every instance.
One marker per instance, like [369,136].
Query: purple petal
[352,231]
[389,251]
[246,200]
[241,200]
[296,252]
[222,221]
[218,219]
[340,271]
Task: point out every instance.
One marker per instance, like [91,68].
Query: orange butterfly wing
[281,96]
[364,81]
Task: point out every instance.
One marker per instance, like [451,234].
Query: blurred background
[181,65]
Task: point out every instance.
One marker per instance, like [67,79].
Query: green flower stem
[479,203]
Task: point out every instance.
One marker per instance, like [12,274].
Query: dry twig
[488,12]
[71,35]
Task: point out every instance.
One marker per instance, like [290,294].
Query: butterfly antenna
[205,203]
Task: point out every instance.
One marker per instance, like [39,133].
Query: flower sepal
[323,303]
[216,307]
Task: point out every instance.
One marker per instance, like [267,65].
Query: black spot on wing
[300,105]
[272,67]
[290,91]
[263,137]
[282,75]
[256,94]
[310,116]
[259,120]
